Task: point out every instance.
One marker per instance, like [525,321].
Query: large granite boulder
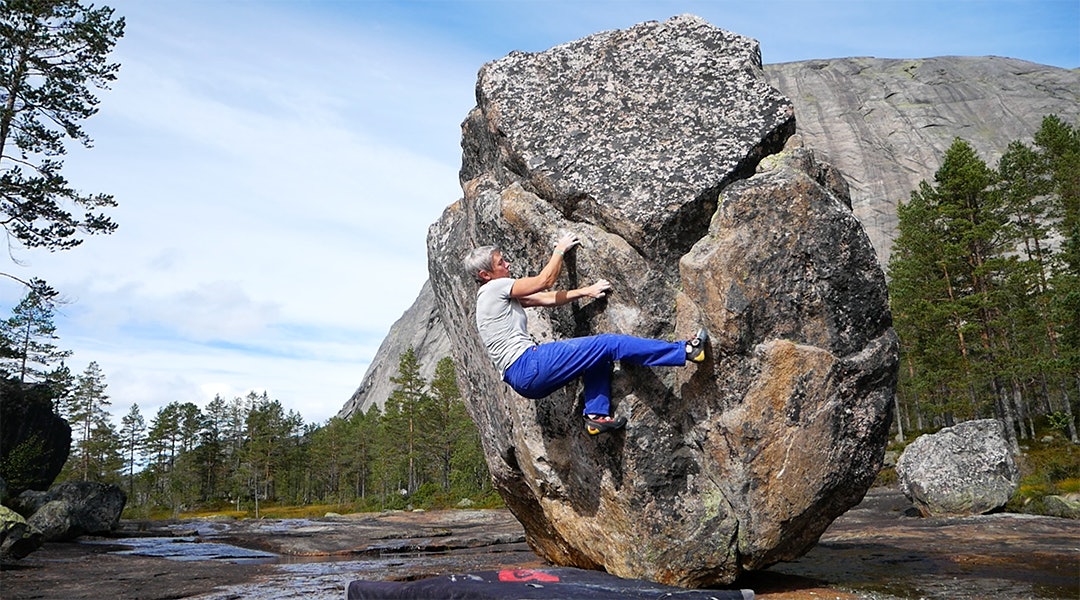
[967,469]
[34,440]
[72,509]
[649,143]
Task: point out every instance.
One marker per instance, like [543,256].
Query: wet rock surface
[876,551]
[268,558]
[882,550]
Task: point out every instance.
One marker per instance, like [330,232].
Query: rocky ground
[875,551]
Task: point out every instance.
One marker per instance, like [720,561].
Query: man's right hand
[598,289]
[567,242]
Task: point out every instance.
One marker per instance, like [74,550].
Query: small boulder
[891,456]
[28,502]
[76,508]
[962,470]
[1066,506]
[17,537]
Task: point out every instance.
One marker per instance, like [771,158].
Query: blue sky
[277,164]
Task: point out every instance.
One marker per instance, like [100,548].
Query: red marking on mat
[527,575]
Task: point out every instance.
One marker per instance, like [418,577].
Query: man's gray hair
[479,259]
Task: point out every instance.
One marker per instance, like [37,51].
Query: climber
[537,370]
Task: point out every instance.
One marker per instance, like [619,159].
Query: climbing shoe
[597,424]
[695,347]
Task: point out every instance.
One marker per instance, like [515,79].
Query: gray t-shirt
[502,323]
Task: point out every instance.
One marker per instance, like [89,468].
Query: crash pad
[532,584]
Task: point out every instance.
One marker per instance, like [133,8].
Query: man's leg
[557,363]
[545,368]
[597,380]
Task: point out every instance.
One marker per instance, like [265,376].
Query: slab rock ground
[665,150]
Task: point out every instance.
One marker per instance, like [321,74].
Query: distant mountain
[885,123]
[419,328]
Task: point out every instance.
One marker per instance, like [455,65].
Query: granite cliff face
[421,329]
[886,123]
[883,123]
[663,147]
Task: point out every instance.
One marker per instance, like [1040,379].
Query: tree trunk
[1067,403]
[899,418]
[1005,415]
[1018,404]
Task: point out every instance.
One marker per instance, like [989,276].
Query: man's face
[500,267]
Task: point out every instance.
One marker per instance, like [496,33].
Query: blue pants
[545,368]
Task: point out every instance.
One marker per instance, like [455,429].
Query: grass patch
[1069,486]
[886,477]
[429,501]
[1046,469]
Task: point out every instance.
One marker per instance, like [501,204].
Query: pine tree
[1059,145]
[951,268]
[212,455]
[442,424]
[295,459]
[104,453]
[919,293]
[234,439]
[989,259]
[268,454]
[186,475]
[85,410]
[162,449]
[333,459]
[366,444]
[461,457]
[27,339]
[404,411]
[61,384]
[52,53]
[133,437]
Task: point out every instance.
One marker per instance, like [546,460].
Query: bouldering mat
[532,584]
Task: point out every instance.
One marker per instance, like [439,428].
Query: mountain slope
[886,123]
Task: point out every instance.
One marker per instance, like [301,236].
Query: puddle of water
[187,548]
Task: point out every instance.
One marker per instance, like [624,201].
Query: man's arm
[527,286]
[560,297]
